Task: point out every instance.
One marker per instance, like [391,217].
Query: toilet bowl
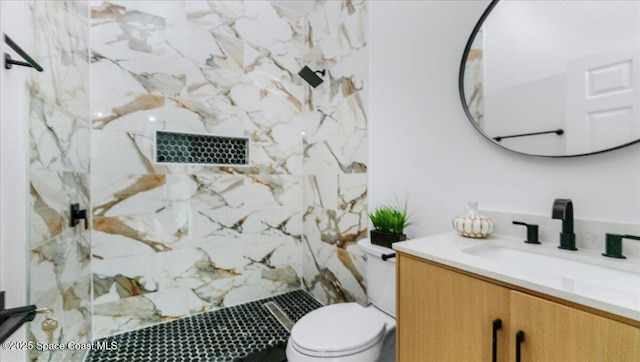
[349,332]
[346,332]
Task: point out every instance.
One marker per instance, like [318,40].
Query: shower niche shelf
[189,148]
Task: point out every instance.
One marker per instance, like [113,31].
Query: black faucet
[563,209]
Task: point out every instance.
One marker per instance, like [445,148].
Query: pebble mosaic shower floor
[247,332]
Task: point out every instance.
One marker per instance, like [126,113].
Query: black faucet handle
[77,215]
[613,247]
[532,232]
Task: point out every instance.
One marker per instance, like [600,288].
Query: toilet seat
[352,329]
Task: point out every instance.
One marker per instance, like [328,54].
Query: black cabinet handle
[497,325]
[519,340]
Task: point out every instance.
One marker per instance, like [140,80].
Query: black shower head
[311,77]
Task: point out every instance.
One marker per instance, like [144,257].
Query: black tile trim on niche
[246,332]
[173,147]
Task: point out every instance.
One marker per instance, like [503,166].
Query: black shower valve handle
[532,232]
[77,215]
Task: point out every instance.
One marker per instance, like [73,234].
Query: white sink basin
[585,272]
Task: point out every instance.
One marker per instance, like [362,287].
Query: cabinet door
[443,315]
[554,332]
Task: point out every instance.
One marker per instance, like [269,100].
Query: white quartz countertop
[456,251]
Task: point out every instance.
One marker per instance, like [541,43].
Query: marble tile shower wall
[170,240]
[59,255]
[336,153]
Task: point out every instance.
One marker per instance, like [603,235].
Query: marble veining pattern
[131,29]
[474,81]
[59,255]
[171,240]
[335,153]
[58,97]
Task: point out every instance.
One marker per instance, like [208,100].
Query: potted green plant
[388,222]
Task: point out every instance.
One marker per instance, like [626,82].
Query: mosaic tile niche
[172,147]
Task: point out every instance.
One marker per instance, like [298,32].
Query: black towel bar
[557,131]
[9,62]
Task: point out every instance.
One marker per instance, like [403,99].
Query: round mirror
[555,78]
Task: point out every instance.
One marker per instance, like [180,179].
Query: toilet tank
[381,277]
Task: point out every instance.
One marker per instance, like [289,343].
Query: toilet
[349,332]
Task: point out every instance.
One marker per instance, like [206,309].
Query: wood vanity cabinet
[446,315]
[556,332]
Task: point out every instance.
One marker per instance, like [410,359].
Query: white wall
[422,144]
[535,106]
[13,151]
[524,33]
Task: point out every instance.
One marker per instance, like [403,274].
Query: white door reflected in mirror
[543,66]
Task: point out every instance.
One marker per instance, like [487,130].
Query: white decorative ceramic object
[473,224]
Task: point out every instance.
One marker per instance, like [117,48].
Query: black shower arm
[8,62]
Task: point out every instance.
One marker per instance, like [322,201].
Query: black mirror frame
[465,106]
